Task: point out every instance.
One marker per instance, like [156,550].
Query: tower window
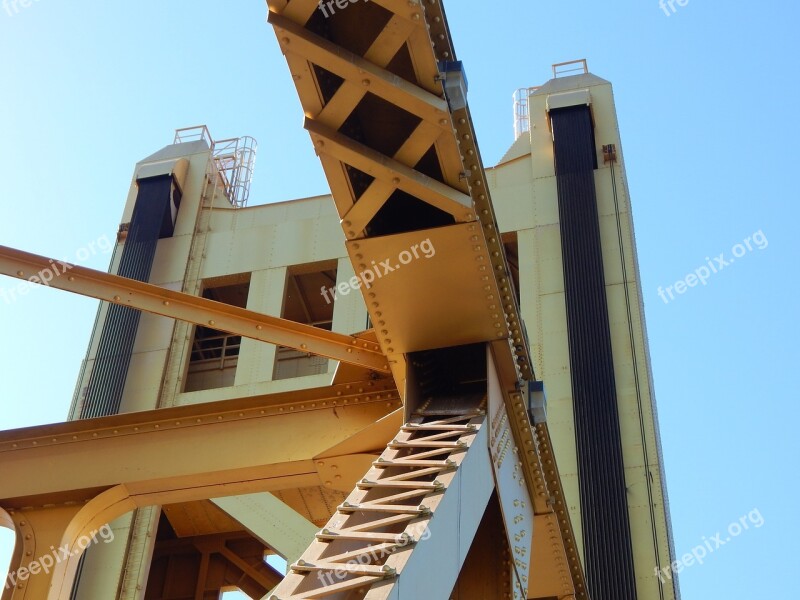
[215,354]
[305,302]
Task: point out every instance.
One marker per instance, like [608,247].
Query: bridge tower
[431,383]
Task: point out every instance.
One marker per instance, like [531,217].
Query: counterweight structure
[356,382]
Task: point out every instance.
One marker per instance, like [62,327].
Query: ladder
[369,542]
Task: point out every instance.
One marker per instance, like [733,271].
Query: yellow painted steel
[189,447]
[194,309]
[476,271]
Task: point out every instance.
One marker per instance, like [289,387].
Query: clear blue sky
[707,105]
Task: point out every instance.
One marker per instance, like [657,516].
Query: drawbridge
[455,490]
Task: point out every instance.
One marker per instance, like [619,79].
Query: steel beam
[200,311]
[389,170]
[458,155]
[271,521]
[350,66]
[189,452]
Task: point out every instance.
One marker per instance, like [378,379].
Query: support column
[47,554]
[257,359]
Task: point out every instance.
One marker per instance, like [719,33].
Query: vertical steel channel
[608,550]
[150,221]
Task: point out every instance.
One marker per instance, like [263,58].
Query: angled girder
[352,67]
[308,51]
[418,505]
[270,520]
[322,51]
[200,311]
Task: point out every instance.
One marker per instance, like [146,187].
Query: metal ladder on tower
[369,542]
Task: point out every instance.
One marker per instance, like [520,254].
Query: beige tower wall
[525,195]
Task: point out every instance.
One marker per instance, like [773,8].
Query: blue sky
[706,100]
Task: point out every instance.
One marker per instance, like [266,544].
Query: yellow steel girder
[194,309]
[424,318]
[198,451]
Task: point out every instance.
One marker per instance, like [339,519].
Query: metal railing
[571,67]
[215,352]
[234,158]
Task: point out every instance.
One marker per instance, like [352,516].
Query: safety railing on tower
[235,159]
[522,120]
